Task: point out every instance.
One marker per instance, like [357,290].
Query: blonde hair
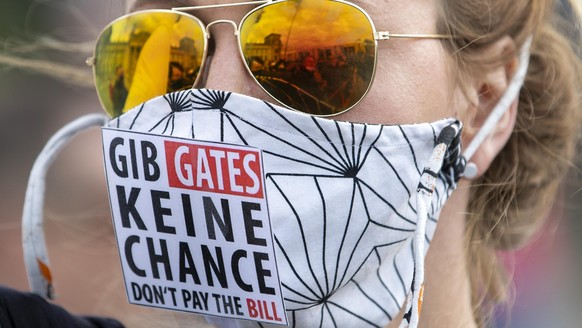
[510,200]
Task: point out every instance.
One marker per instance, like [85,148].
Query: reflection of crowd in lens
[336,81]
[178,78]
[117,90]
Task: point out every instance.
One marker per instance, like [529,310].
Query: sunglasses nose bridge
[221,21]
[221,69]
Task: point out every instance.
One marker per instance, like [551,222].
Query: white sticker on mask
[192,226]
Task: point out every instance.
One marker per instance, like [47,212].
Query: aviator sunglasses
[313,56]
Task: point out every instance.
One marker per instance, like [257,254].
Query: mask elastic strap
[445,151]
[33,242]
[428,181]
[500,108]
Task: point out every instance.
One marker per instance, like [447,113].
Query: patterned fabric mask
[353,206]
[343,198]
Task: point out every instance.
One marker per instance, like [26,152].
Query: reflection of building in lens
[331,54]
[268,51]
[185,54]
[126,53]
[319,80]
[272,51]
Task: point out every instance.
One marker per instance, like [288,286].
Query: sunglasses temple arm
[385,35]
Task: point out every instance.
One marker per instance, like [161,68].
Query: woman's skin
[413,83]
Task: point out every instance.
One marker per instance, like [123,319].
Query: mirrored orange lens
[315,56]
[145,55]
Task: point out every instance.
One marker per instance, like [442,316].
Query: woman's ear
[487,90]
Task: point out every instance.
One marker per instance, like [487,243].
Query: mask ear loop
[499,110]
[33,241]
[446,148]
[428,180]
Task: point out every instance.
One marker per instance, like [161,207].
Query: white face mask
[353,206]
[343,197]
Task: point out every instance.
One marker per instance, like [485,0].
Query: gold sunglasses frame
[378,36]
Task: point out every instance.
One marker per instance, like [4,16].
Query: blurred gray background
[44,84]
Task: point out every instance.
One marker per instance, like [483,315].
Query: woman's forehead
[166,4]
[418,16]
[148,4]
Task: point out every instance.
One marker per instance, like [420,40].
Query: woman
[461,68]
[519,165]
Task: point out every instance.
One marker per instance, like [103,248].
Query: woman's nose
[225,69]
